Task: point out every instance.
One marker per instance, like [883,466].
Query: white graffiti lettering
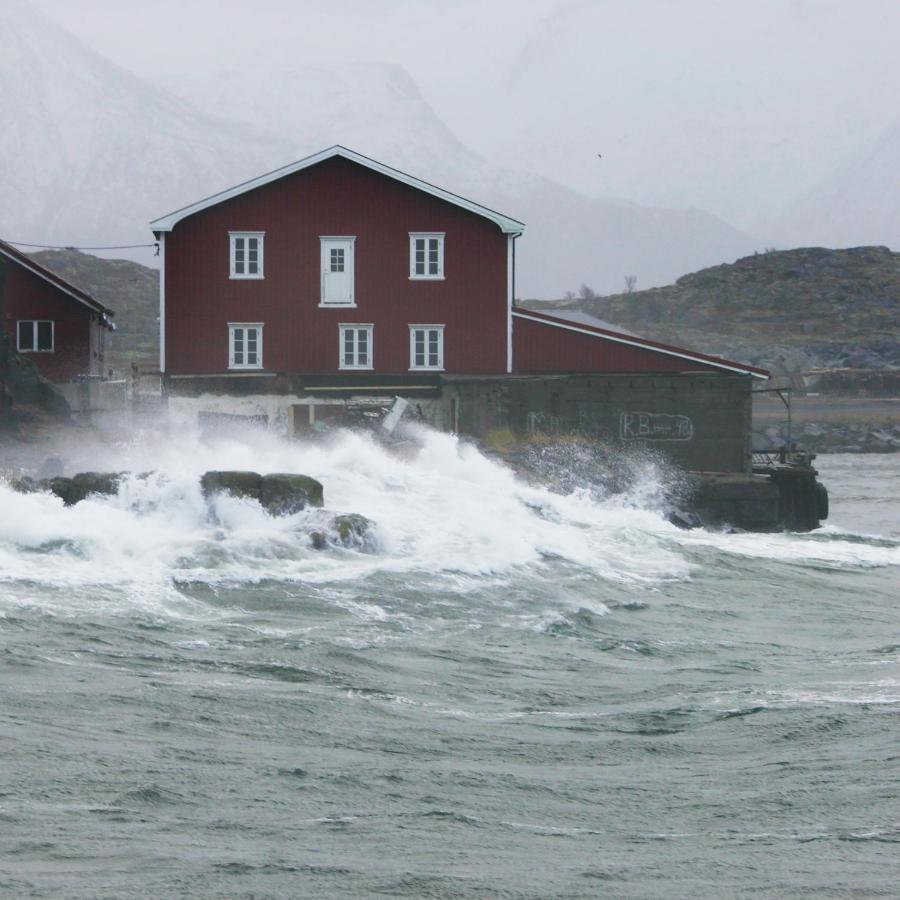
[645,426]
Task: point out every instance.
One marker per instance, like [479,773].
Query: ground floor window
[35,336]
[355,346]
[426,346]
[245,345]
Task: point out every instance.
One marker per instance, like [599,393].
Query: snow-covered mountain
[93,153]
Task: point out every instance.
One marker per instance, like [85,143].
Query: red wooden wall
[539,347]
[338,198]
[28,296]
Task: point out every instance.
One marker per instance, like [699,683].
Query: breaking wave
[443,510]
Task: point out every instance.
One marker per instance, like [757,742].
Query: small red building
[55,324]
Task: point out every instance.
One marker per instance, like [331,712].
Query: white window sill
[337,306]
[245,368]
[426,369]
[247,277]
[35,351]
[355,368]
[426,278]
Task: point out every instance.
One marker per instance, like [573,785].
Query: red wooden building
[338,265]
[55,324]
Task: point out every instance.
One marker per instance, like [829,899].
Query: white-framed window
[355,350]
[426,255]
[245,345]
[426,346]
[246,254]
[34,335]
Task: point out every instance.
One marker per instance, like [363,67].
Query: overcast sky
[735,106]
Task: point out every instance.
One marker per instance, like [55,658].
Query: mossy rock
[74,490]
[235,483]
[283,494]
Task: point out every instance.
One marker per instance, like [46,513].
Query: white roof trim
[61,285]
[642,345]
[504,223]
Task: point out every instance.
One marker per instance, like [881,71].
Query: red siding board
[540,347]
[335,198]
[28,296]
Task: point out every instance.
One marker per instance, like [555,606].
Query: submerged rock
[348,530]
[284,494]
[351,528]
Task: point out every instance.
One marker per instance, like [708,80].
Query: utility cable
[70,247]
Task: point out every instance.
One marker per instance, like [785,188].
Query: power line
[70,247]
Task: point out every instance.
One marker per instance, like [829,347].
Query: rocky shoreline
[854,437]
[280,494]
[821,423]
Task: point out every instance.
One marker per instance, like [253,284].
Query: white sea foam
[441,508]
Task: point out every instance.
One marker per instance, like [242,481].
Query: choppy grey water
[522,694]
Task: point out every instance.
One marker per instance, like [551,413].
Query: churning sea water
[523,693]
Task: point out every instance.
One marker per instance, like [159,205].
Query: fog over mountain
[626,135]
[857,204]
[740,108]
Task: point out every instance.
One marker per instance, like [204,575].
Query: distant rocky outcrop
[789,311]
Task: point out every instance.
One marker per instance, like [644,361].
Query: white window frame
[34,335]
[356,326]
[426,235]
[259,345]
[412,348]
[350,266]
[233,236]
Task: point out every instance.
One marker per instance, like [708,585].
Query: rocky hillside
[787,310]
[129,289]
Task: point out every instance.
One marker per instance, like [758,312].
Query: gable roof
[66,287]
[504,223]
[641,343]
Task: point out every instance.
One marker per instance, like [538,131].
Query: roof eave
[644,344]
[55,280]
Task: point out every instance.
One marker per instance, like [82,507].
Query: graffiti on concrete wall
[541,423]
[633,426]
[645,426]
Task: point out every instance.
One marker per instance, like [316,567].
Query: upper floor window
[426,255]
[426,346]
[33,336]
[245,345]
[246,254]
[356,346]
